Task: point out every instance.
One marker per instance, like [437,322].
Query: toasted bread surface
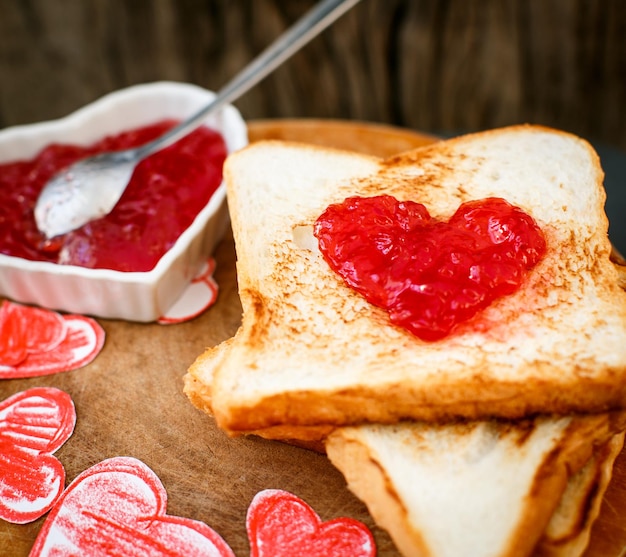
[312,352]
[514,446]
[478,488]
[311,355]
[555,447]
[197,387]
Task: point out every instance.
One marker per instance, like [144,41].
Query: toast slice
[533,470]
[312,352]
[197,387]
[483,489]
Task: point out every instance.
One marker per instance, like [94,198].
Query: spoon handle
[299,34]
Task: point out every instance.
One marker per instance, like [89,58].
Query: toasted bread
[488,488]
[534,469]
[311,356]
[197,387]
[312,352]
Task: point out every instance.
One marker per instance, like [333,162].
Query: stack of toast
[498,439]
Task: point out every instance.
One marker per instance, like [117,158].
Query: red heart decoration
[36,342]
[117,507]
[429,275]
[33,425]
[27,330]
[281,524]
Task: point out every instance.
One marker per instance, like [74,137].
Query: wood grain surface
[129,401]
[439,66]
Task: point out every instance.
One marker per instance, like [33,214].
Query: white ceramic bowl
[136,296]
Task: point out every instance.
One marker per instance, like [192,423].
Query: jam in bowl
[134,263]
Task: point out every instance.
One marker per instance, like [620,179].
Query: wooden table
[129,401]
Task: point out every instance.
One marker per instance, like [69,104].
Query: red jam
[429,275]
[165,194]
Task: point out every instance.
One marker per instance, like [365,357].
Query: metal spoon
[90,188]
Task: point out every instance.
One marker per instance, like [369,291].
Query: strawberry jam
[165,194]
[429,275]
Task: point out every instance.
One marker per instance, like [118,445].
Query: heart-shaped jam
[429,275]
[280,524]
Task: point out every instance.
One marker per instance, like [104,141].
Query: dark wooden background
[431,65]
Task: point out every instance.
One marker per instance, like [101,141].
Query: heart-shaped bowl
[132,296]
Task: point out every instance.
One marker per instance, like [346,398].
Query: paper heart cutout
[42,342]
[41,330]
[197,297]
[33,425]
[119,507]
[429,275]
[281,524]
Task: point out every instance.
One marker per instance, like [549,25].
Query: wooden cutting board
[129,401]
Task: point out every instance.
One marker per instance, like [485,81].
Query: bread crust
[569,529]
